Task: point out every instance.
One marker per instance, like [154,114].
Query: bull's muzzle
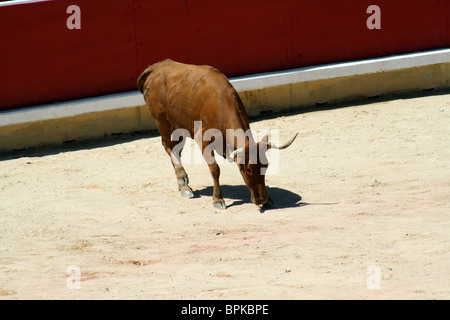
[267,203]
[260,198]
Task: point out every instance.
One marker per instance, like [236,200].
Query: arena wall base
[85,126]
[264,93]
[345,89]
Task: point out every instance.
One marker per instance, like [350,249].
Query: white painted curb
[71,108]
[245,83]
[338,70]
[14,2]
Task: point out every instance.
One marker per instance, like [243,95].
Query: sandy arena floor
[363,195]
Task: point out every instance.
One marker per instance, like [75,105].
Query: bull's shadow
[240,195]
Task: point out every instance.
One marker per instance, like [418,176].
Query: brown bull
[180,95]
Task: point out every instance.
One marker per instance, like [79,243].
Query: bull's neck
[239,134]
[239,137]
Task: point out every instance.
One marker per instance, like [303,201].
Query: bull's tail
[142,78]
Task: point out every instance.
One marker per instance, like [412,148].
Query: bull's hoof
[186,192]
[220,204]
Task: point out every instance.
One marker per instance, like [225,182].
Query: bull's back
[184,93]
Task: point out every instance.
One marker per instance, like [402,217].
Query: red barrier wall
[42,61]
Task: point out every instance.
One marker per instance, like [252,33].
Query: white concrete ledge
[15,2]
[338,70]
[245,83]
[71,108]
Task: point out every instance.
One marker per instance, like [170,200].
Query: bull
[179,95]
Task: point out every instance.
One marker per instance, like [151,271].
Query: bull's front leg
[218,201]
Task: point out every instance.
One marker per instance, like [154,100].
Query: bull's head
[254,171]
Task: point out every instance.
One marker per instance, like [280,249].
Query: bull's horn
[235,153]
[271,145]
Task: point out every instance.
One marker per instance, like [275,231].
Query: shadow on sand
[240,194]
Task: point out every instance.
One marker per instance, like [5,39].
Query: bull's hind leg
[173,149]
[182,177]
[183,182]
